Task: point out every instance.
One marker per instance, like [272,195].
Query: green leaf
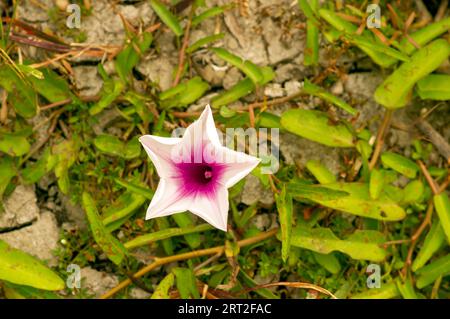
[13,291]
[249,282]
[386,291]
[33,173]
[186,283]
[361,245]
[442,206]
[319,92]
[241,89]
[425,35]
[184,93]
[434,87]
[429,273]
[204,41]
[395,91]
[164,234]
[13,144]
[433,242]
[21,94]
[269,120]
[115,251]
[358,201]
[400,164]
[349,30]
[315,126]
[167,17]
[250,69]
[127,59]
[320,172]
[52,87]
[23,269]
[184,220]
[123,207]
[406,288]
[212,12]
[132,187]
[311,53]
[328,261]
[376,184]
[413,192]
[167,244]
[285,215]
[162,291]
[110,92]
[7,172]
[63,157]
[314,192]
[111,145]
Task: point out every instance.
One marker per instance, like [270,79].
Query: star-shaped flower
[195,172]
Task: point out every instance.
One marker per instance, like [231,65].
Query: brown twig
[56,104]
[428,177]
[380,138]
[182,55]
[303,285]
[435,138]
[185,256]
[4,109]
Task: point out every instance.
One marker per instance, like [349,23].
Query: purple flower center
[198,178]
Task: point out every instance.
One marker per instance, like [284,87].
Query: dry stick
[426,221]
[294,285]
[182,55]
[380,138]
[428,177]
[436,139]
[4,109]
[56,104]
[441,11]
[184,256]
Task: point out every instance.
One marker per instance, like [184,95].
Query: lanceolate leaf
[23,269]
[21,95]
[386,291]
[315,90]
[316,126]
[314,192]
[7,172]
[162,291]
[358,202]
[164,234]
[285,215]
[395,91]
[111,145]
[434,87]
[13,144]
[442,205]
[429,273]
[167,17]
[400,164]
[126,204]
[250,69]
[186,283]
[363,244]
[110,245]
[433,241]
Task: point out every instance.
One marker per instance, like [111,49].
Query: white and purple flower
[195,172]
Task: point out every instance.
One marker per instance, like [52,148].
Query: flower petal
[213,209]
[237,165]
[167,200]
[160,151]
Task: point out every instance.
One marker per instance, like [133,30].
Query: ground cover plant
[350,98]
